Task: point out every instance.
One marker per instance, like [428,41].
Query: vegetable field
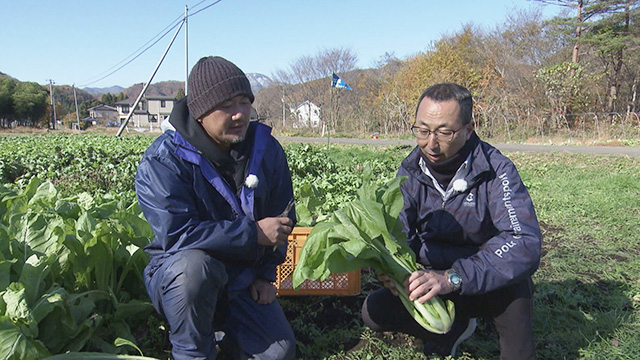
[71,259]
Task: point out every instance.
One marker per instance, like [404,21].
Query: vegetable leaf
[366,232]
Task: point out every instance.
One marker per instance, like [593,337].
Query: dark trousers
[510,309]
[188,289]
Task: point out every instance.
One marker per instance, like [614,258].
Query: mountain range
[170,88]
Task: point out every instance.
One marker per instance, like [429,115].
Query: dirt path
[596,150]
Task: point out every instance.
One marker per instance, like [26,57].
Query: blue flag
[339,83]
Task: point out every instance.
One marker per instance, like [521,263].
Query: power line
[205,8]
[163,32]
[136,54]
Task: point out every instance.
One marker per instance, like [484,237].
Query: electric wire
[204,8]
[163,32]
[136,54]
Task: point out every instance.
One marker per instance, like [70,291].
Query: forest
[530,76]
[576,74]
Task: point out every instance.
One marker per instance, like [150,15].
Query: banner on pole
[339,83]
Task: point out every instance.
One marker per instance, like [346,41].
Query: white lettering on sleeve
[513,217]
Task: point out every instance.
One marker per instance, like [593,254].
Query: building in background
[150,112]
[307,114]
[102,114]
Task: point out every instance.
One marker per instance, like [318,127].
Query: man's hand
[386,282]
[274,231]
[262,291]
[424,285]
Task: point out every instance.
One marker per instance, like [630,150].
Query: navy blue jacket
[189,205]
[488,232]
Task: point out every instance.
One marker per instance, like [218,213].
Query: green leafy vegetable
[70,272]
[366,232]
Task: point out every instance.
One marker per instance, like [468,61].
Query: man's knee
[283,349]
[366,316]
[193,273]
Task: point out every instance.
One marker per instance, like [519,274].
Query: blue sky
[81,41]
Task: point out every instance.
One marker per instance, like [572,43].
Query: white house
[307,114]
[150,111]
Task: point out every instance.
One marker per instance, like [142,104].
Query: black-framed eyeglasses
[445,135]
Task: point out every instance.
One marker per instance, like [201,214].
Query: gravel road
[596,150]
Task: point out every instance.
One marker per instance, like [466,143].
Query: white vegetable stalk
[432,315]
[439,322]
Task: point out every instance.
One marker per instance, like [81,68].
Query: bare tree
[311,76]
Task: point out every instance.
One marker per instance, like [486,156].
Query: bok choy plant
[366,232]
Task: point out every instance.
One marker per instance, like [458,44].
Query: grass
[587,300]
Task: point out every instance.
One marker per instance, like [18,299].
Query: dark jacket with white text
[488,232]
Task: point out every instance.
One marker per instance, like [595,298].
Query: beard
[237,139]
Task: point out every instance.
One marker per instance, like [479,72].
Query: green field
[587,300]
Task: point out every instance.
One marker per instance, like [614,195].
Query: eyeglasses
[441,135]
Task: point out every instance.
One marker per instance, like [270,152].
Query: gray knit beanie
[213,80]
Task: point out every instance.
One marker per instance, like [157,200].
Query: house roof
[130,101]
[305,103]
[160,98]
[103,107]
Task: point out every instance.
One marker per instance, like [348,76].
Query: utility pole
[283,117]
[53,106]
[186,51]
[75,98]
[146,85]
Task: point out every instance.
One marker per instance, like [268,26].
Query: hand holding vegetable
[367,233]
[386,282]
[424,285]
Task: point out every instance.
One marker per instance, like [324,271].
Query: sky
[95,43]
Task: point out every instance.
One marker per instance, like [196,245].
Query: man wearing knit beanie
[215,189]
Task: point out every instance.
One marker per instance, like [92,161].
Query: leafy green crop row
[72,237]
[90,163]
[71,272]
[322,179]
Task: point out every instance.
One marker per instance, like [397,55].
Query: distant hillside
[162,88]
[170,88]
[108,90]
[3,75]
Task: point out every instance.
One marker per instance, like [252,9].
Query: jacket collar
[477,165]
[243,203]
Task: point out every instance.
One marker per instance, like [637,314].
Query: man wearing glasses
[470,221]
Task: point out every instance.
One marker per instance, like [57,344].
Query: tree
[452,59]
[109,99]
[180,94]
[613,35]
[609,27]
[7,110]
[512,94]
[571,23]
[312,77]
[30,100]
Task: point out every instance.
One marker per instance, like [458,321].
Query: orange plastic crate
[336,284]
